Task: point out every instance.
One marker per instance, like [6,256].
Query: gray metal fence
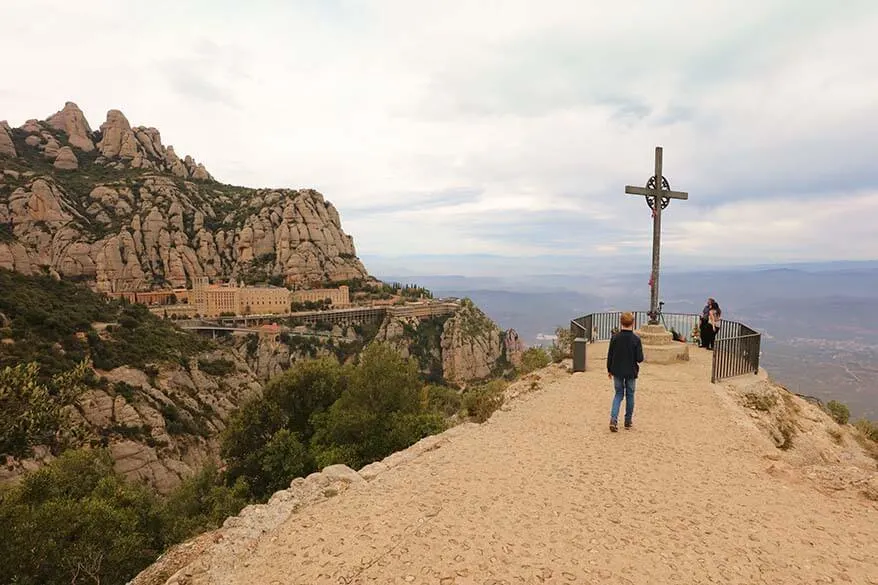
[736,351]
[599,326]
[737,347]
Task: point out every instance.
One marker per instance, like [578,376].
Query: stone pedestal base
[659,346]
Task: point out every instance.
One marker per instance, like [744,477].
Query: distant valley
[820,322]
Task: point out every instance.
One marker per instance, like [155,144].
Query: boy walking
[623,359]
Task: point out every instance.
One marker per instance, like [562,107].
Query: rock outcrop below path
[698,492]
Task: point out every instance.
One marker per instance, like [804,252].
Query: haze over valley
[819,321]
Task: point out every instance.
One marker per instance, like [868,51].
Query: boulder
[32,126]
[66,160]
[72,121]
[118,138]
[7,148]
[52,146]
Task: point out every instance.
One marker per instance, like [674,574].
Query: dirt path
[543,493]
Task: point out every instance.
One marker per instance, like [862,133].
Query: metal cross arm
[644,191]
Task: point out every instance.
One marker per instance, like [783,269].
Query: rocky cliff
[460,348]
[165,428]
[117,208]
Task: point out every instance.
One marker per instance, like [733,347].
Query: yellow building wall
[339,297]
[261,301]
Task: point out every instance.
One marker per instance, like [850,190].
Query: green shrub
[379,411]
[534,358]
[76,520]
[125,390]
[441,400]
[757,401]
[838,411]
[202,502]
[32,413]
[867,428]
[178,423]
[480,402]
[218,367]
[46,315]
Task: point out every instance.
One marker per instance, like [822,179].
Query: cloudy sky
[485,129]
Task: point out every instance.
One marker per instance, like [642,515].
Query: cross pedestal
[659,346]
[658,343]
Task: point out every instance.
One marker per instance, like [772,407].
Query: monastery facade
[339,297]
[213,300]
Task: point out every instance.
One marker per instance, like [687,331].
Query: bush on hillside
[480,402]
[75,521]
[202,502]
[441,400]
[218,367]
[838,411]
[31,412]
[867,428]
[319,413]
[78,521]
[379,412]
[760,401]
[51,323]
[533,359]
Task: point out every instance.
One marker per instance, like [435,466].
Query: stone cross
[658,195]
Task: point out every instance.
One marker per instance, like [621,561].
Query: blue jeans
[624,389]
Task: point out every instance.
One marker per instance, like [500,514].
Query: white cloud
[495,127]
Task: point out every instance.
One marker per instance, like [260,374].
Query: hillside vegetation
[53,335]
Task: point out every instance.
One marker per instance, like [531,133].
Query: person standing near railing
[710,323]
[623,364]
[714,317]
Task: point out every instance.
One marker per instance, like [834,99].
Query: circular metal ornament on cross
[650,184]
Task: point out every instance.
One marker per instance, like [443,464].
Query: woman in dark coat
[710,322]
[704,325]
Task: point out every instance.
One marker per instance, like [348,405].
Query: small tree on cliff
[77,521]
[32,412]
[266,441]
[379,412]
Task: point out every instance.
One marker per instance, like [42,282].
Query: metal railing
[599,326]
[736,350]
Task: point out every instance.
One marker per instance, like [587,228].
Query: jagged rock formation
[394,332]
[7,148]
[472,345]
[119,209]
[72,121]
[65,160]
[460,348]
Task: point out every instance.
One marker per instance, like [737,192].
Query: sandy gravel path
[543,493]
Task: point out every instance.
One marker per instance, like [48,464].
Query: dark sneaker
[614,427]
[628,426]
